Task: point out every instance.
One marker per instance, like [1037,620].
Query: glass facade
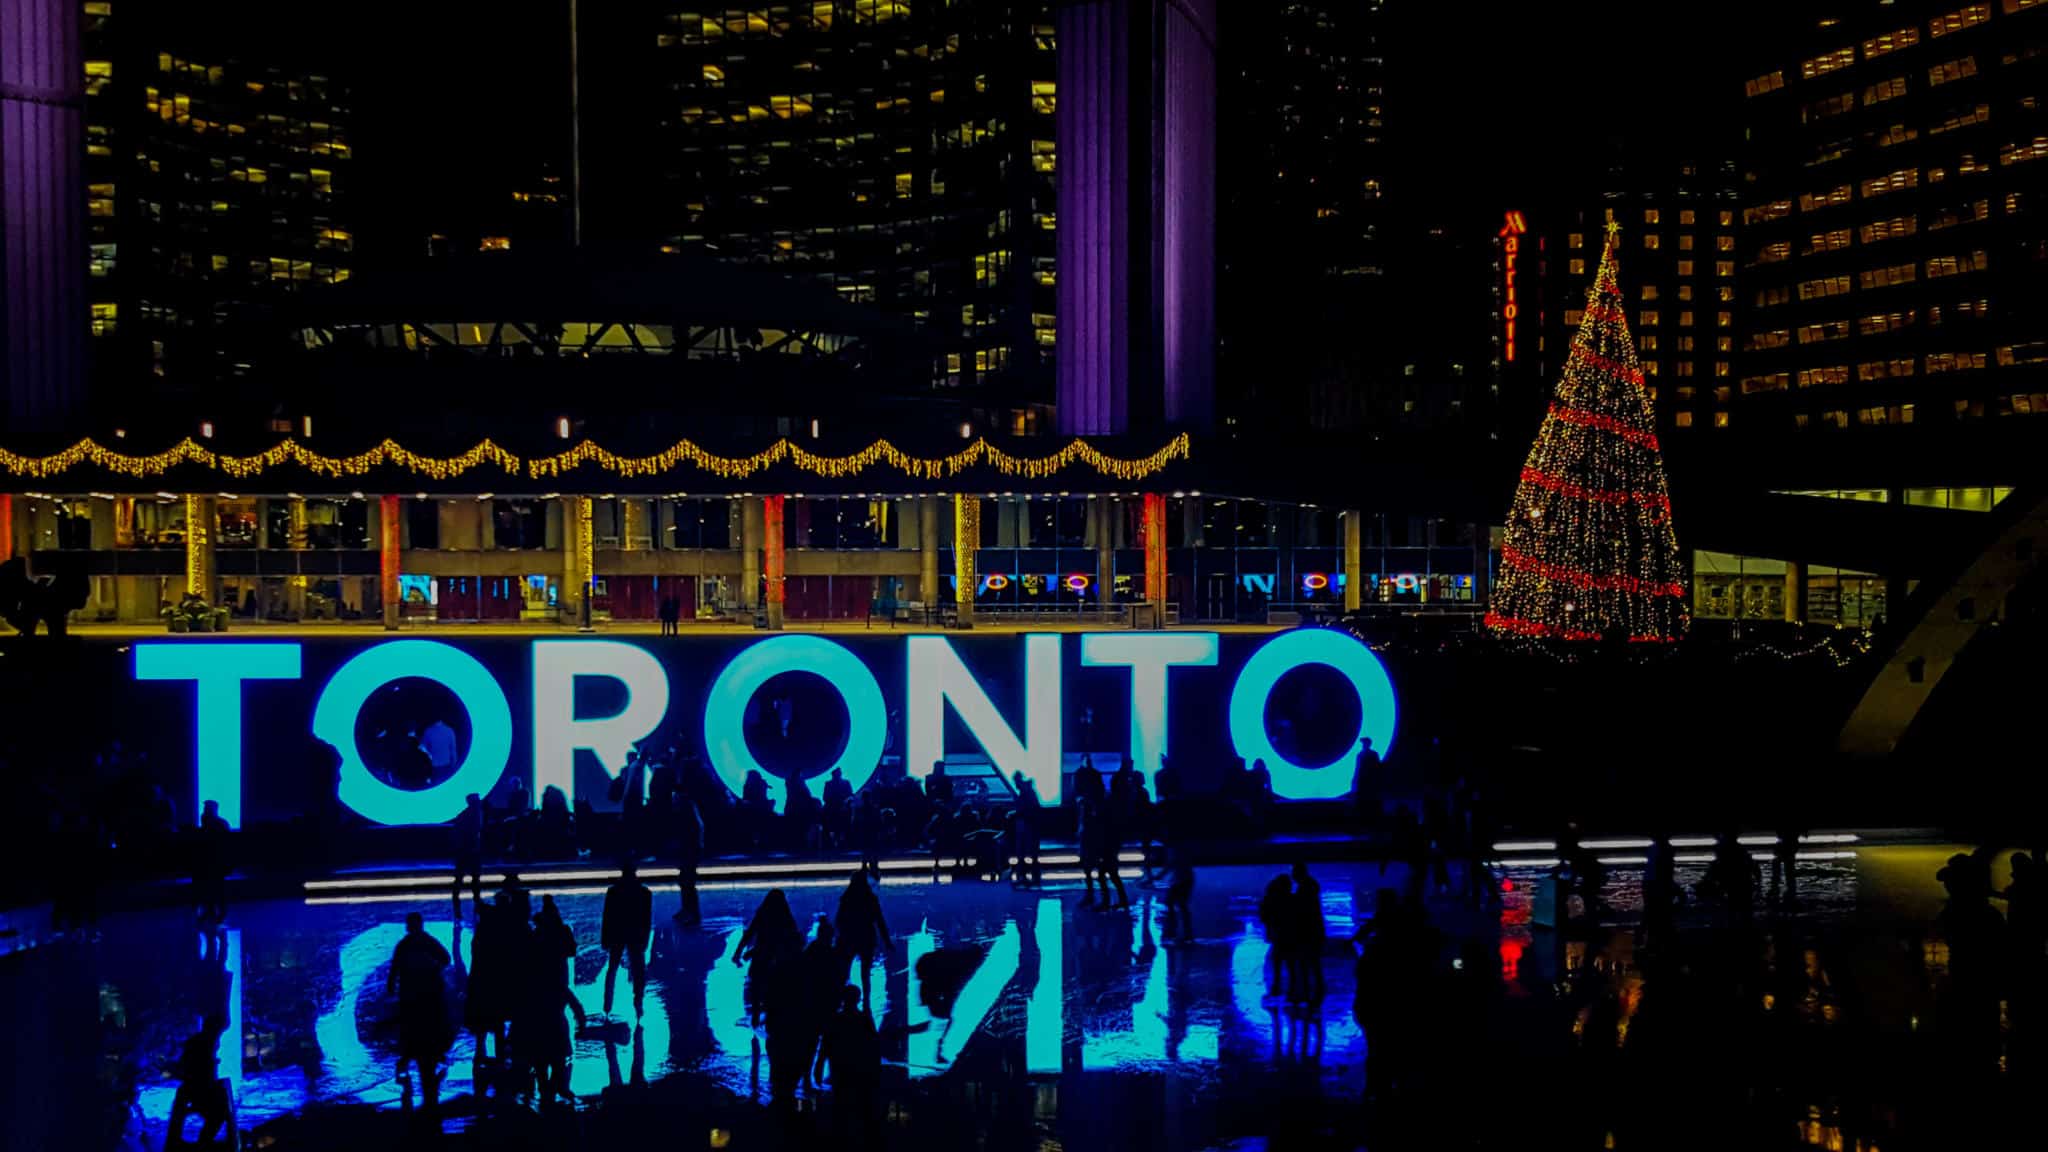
[504,558]
[1888,240]
[902,153]
[1730,587]
[218,177]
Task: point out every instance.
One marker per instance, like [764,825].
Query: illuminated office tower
[900,151]
[1894,269]
[1680,277]
[216,171]
[1303,159]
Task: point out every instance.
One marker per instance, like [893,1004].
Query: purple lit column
[1188,231]
[42,204]
[1136,172]
[1093,258]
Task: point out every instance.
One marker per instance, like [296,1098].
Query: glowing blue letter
[725,709]
[218,669]
[1148,655]
[937,676]
[557,733]
[490,729]
[1283,654]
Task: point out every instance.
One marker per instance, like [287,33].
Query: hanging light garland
[881,452]
[190,451]
[390,453]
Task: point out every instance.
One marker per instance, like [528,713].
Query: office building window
[1813,201]
[1768,82]
[1890,42]
[1816,377]
[1685,267]
[1951,70]
[1762,213]
[1831,62]
[1885,90]
[1890,229]
[1685,216]
[1651,216]
[1958,20]
[1652,240]
[1891,182]
[1682,419]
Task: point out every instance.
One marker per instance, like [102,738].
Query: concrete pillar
[573,600]
[1795,592]
[199,557]
[388,559]
[966,539]
[1102,513]
[773,571]
[750,553]
[633,525]
[928,551]
[1354,580]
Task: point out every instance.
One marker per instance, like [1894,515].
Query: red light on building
[1511,231]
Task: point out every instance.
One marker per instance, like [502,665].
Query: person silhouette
[1275,918]
[201,1091]
[210,868]
[496,954]
[863,933]
[1976,936]
[540,1031]
[853,1054]
[624,932]
[1025,824]
[468,835]
[770,944]
[689,822]
[1310,935]
[938,787]
[418,973]
[821,974]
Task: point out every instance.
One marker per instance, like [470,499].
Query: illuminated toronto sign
[1018,721]
[1511,231]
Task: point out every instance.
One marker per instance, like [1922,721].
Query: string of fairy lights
[1589,553]
[682,454]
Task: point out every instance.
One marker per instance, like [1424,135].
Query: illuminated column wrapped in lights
[928,551]
[1155,551]
[1354,552]
[575,558]
[1589,552]
[199,546]
[773,558]
[6,527]
[966,539]
[295,540]
[387,559]
[586,574]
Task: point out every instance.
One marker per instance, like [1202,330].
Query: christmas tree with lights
[1589,553]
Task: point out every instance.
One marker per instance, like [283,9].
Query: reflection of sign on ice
[348,1070]
[1153,1037]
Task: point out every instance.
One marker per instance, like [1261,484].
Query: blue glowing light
[1044,1014]
[1284,653]
[936,677]
[1148,655]
[725,740]
[558,732]
[490,726]
[217,671]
